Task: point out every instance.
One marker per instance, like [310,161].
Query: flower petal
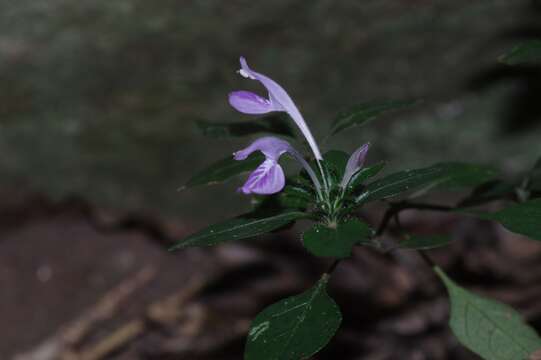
[355,163]
[277,95]
[249,103]
[281,101]
[267,179]
[271,147]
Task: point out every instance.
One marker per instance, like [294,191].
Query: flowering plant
[328,191]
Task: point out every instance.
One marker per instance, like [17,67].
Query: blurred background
[97,107]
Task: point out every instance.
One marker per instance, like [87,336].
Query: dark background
[97,102]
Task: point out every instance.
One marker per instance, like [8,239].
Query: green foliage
[523,218]
[295,197]
[322,240]
[418,242]
[223,170]
[334,162]
[294,328]
[364,174]
[449,175]
[274,124]
[489,191]
[364,113]
[526,53]
[243,227]
[490,329]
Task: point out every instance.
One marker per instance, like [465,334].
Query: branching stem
[393,212]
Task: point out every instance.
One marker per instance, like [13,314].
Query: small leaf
[322,240]
[523,218]
[224,169]
[295,197]
[363,113]
[364,174]
[239,228]
[335,162]
[294,328]
[525,53]
[489,328]
[418,242]
[449,175]
[274,124]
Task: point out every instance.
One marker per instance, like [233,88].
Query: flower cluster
[269,177]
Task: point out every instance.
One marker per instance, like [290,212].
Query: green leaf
[523,218]
[294,328]
[449,175]
[364,113]
[490,329]
[325,241]
[418,242]
[224,169]
[242,227]
[489,191]
[334,162]
[526,53]
[274,124]
[364,174]
[295,197]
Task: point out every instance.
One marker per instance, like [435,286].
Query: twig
[73,333]
[118,338]
[396,208]
[165,311]
[393,212]
[333,266]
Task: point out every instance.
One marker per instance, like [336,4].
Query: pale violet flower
[268,178]
[354,164]
[278,100]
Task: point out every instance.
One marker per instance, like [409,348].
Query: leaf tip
[175,247]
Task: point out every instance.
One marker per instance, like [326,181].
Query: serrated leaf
[523,218]
[363,113]
[419,242]
[525,53]
[489,328]
[239,228]
[224,169]
[324,241]
[294,328]
[274,124]
[449,175]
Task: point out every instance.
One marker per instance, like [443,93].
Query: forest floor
[85,283]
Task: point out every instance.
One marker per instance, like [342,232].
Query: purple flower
[268,178]
[354,164]
[249,103]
